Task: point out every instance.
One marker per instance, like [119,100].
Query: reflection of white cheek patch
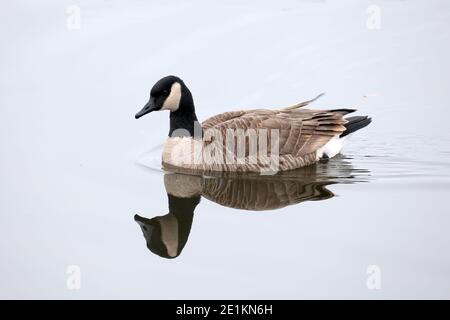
[173,100]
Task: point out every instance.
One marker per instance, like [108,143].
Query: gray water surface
[76,167]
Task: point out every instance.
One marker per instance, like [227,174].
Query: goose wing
[222,117]
[301,131]
[263,194]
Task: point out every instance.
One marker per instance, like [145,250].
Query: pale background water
[71,160]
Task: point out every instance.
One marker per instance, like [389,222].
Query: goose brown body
[301,133]
[255,193]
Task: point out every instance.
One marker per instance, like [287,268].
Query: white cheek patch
[169,234]
[172,102]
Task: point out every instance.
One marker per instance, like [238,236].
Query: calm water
[81,183]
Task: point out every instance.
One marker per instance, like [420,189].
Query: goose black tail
[355,123]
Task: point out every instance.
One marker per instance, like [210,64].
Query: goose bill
[149,107]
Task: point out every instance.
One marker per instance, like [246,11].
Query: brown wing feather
[256,194]
[221,118]
[300,131]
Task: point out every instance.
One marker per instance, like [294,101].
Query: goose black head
[167,235]
[169,93]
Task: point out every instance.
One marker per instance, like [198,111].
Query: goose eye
[165,92]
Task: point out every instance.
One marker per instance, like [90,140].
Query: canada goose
[286,139]
[167,235]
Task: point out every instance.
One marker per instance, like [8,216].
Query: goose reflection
[167,235]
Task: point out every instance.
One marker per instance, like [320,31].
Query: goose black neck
[184,120]
[183,207]
[183,210]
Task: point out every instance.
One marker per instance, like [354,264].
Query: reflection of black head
[167,235]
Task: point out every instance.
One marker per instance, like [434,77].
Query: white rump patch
[332,147]
[172,102]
